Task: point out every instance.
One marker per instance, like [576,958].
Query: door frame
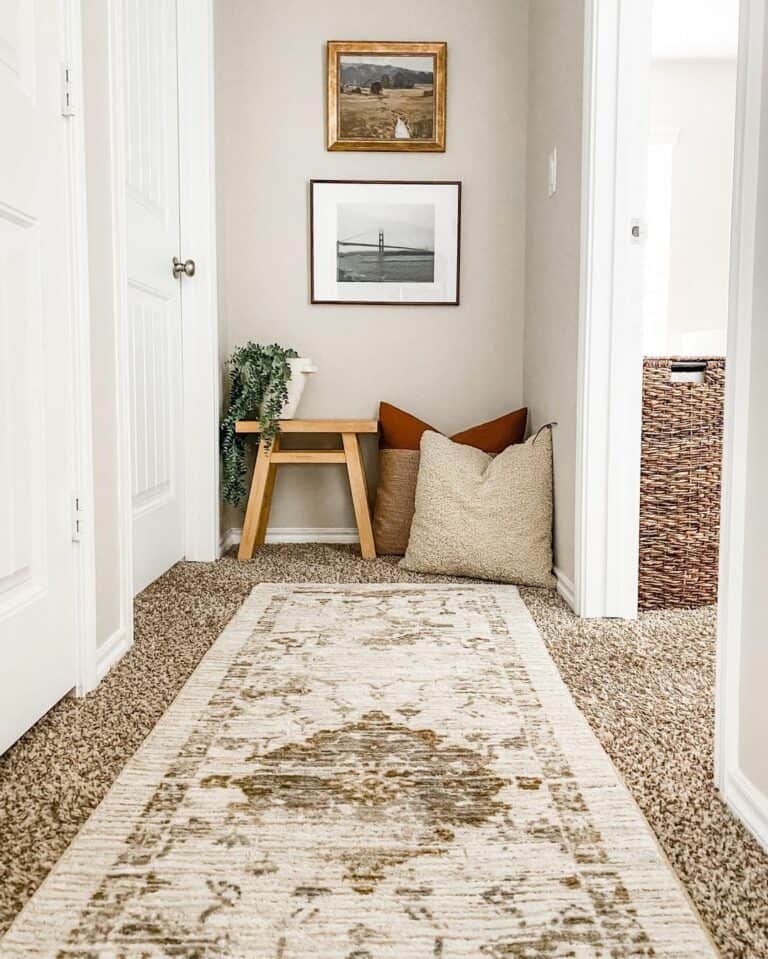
[80,327]
[200,359]
[609,388]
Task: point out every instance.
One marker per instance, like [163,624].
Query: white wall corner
[733,523]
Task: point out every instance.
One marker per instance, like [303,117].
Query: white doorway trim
[731,781]
[199,295]
[80,327]
[609,392]
[122,639]
[199,298]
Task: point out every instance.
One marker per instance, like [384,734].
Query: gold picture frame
[381,97]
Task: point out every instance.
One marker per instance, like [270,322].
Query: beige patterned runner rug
[367,772]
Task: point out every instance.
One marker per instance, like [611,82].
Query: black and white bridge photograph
[385,243]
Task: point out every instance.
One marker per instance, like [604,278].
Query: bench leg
[255,506]
[266,505]
[356,475]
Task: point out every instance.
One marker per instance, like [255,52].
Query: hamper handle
[688,366]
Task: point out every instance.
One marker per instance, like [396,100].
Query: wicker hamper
[682,448]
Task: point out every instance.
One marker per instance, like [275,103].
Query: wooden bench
[267,461]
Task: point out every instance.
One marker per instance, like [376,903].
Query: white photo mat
[330,198]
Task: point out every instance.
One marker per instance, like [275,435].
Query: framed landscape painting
[386,96]
[385,242]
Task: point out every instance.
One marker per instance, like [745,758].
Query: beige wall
[753,702]
[696,99]
[555,57]
[453,366]
[103,368]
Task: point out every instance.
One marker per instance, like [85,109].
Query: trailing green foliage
[258,390]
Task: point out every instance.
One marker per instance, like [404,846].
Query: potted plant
[266,383]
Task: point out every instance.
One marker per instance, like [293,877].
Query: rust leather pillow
[399,438]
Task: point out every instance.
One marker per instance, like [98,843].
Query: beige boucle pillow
[484,516]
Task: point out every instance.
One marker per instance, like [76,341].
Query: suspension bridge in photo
[380,245]
[368,258]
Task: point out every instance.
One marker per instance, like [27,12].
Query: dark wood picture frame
[314,300]
[336,138]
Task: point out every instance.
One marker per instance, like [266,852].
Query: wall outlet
[552,170]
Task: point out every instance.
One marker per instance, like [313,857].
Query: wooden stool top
[313,426]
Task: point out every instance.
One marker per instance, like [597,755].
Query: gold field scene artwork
[386,96]
[380,112]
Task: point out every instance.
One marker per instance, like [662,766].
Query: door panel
[21,416]
[17,44]
[154,330]
[153,295]
[150,38]
[38,655]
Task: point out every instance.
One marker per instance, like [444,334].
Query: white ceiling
[695,29]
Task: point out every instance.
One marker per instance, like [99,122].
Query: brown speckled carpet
[646,689]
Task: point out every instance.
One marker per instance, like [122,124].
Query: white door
[38,655]
[153,295]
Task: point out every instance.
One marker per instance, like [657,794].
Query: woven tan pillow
[484,516]
[395,496]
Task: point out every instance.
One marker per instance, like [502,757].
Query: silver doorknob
[187,267]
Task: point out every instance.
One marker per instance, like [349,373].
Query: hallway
[645,688]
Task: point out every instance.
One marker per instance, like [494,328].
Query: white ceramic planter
[301,367]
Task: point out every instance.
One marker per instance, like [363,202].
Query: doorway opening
[688,196]
[613,332]
[656,208]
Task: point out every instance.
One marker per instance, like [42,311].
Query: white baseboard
[296,534]
[111,651]
[748,804]
[565,588]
